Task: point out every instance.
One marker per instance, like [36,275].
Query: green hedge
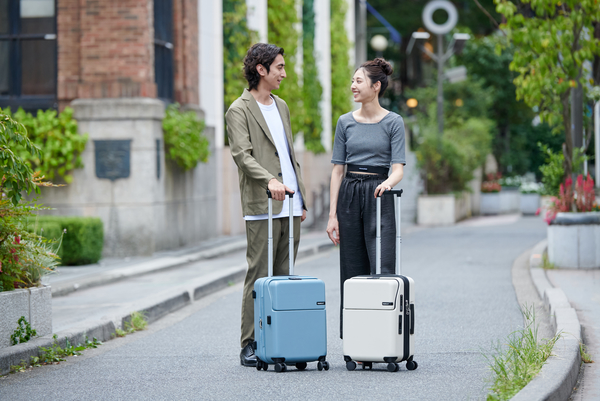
[81,244]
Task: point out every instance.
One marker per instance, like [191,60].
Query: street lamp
[379,43]
[456,45]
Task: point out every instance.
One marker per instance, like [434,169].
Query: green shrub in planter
[81,244]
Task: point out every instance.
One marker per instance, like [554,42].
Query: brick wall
[186,51]
[106,49]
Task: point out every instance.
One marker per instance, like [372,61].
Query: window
[28,54]
[163,49]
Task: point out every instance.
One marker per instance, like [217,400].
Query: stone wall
[158,206]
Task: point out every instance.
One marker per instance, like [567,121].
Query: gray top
[372,144]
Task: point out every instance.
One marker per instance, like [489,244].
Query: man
[261,143]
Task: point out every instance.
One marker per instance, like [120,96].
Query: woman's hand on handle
[333,230]
[392,181]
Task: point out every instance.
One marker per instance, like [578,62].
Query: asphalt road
[465,302]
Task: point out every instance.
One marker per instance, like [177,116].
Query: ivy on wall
[341,72]
[312,91]
[184,142]
[237,39]
[282,23]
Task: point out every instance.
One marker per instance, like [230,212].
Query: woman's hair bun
[386,67]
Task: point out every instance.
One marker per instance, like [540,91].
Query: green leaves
[312,91]
[237,39]
[59,145]
[184,142]
[16,175]
[551,47]
[341,72]
[23,332]
[283,32]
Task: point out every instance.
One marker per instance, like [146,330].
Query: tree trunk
[596,67]
[568,145]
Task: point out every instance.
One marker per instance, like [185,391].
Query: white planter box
[33,303]
[510,200]
[530,203]
[442,210]
[574,240]
[490,203]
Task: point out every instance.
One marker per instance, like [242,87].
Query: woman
[367,141]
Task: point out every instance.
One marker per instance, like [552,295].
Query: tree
[552,41]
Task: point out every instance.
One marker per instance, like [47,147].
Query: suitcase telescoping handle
[291,229]
[397,196]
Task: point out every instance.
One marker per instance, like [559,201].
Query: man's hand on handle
[278,189]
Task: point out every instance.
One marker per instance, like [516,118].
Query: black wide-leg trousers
[357,219]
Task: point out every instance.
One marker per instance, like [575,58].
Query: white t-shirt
[273,119]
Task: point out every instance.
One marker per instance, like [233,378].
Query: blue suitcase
[290,324]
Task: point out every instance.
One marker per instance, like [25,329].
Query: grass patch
[546,262]
[585,357]
[54,354]
[137,322]
[516,362]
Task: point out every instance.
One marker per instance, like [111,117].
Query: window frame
[164,70]
[15,98]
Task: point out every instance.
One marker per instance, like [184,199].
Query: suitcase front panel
[297,336]
[297,293]
[371,335]
[369,293]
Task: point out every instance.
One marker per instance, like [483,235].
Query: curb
[154,307]
[153,266]
[559,374]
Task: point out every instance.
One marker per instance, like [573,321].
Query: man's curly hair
[263,54]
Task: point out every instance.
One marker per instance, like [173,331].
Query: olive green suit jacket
[255,154]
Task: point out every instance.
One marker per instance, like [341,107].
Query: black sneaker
[247,357]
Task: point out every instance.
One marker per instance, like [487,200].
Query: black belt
[367,169]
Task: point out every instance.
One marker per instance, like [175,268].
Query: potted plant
[490,195]
[530,197]
[574,226]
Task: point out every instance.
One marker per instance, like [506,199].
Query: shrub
[82,242]
[448,162]
[185,144]
[58,140]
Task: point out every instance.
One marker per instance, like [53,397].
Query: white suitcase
[379,319]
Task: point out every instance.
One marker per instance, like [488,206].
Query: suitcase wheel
[366,365]
[280,367]
[325,365]
[411,365]
[261,365]
[393,367]
[350,365]
[301,365]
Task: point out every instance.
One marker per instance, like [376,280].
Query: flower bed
[574,226]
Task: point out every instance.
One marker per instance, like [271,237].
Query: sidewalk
[582,288]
